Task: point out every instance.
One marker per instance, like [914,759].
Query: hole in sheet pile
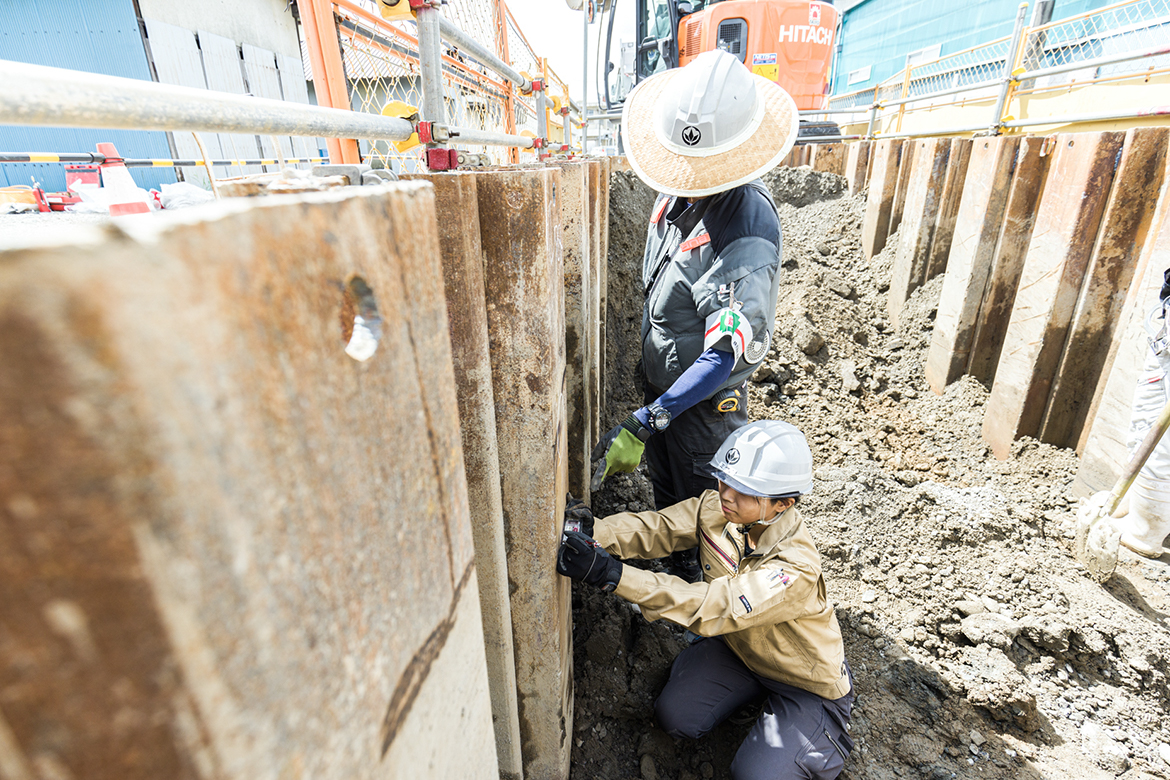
[361,326]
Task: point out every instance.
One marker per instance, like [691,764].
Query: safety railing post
[873,112]
[430,61]
[1011,62]
[320,28]
[905,94]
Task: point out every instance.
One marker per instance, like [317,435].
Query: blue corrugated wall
[880,33]
[98,36]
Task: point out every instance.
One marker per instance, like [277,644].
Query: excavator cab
[657,40]
[787,41]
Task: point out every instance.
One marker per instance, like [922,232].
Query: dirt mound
[979,645]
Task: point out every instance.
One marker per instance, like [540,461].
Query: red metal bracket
[564,111]
[417,4]
[440,159]
[425,132]
[538,85]
[537,143]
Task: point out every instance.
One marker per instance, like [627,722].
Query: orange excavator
[788,41]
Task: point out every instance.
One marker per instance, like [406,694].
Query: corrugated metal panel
[881,33]
[221,64]
[292,85]
[97,36]
[263,81]
[175,54]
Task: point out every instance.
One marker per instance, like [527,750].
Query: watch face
[661,419]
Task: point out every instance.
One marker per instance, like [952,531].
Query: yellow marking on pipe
[268,162]
[162,163]
[50,158]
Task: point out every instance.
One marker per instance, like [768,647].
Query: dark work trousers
[798,734]
[678,456]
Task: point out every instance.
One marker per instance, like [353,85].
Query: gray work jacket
[694,256]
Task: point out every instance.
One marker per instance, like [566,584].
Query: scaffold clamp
[442,159]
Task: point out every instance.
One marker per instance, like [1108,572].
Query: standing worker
[702,136]
[770,630]
[1146,524]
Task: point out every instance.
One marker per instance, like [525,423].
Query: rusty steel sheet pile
[234,523]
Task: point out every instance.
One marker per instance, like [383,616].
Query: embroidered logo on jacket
[778,579]
[746,604]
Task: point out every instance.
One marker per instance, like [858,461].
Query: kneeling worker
[768,628]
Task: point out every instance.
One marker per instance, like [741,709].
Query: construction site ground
[980,647]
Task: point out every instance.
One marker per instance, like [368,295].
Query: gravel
[980,647]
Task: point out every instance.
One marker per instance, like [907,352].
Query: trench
[979,648]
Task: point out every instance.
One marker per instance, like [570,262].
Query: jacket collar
[779,531]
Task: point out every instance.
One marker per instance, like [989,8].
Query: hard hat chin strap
[762,520]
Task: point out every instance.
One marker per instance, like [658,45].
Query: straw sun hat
[707,127]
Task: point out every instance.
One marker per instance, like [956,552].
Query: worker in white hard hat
[1145,524]
[768,630]
[701,135]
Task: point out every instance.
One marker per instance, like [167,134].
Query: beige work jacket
[769,606]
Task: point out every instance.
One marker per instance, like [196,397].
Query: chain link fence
[977,65]
[1131,26]
[1128,27]
[382,65]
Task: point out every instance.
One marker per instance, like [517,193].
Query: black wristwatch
[659,417]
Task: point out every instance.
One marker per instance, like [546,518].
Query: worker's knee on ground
[673,711]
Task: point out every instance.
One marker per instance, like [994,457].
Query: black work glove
[581,558]
[576,511]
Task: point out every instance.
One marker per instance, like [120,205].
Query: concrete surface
[1124,230]
[519,212]
[228,549]
[1067,221]
[978,223]
[457,217]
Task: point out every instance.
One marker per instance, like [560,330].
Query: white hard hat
[767,458]
[707,127]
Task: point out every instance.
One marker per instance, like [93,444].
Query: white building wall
[266,24]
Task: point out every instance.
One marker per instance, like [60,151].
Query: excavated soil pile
[980,647]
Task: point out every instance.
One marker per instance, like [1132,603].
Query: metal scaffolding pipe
[944,131]
[813,112]
[826,139]
[56,97]
[91,158]
[430,61]
[599,117]
[1073,118]
[469,135]
[1006,88]
[452,34]
[944,93]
